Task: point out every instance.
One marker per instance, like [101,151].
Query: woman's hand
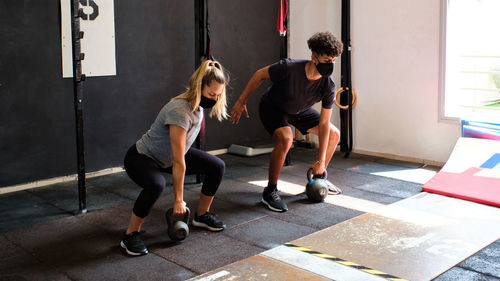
[179,208]
[236,112]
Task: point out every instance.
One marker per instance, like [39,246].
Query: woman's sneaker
[209,221]
[133,244]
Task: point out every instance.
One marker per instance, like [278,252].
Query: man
[297,86]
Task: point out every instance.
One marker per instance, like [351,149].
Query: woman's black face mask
[206,102]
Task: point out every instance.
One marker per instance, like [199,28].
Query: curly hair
[324,43]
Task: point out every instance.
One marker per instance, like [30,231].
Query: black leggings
[149,175]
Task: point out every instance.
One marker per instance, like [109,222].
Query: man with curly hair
[296,86]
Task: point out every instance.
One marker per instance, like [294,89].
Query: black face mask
[325,69]
[206,102]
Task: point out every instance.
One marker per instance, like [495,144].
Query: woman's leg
[205,203]
[201,162]
[135,224]
[148,175]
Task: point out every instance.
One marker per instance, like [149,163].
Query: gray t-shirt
[155,143]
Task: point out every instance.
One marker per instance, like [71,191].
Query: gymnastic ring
[337,100]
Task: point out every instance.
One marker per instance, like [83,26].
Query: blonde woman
[166,147]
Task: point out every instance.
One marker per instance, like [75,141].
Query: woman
[166,147]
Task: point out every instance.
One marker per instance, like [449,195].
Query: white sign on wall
[98,42]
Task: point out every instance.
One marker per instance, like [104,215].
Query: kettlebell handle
[310,174]
[186,215]
[170,216]
[177,230]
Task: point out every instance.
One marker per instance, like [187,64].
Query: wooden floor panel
[258,268]
[417,238]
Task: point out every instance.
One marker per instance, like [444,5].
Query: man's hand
[318,168]
[236,112]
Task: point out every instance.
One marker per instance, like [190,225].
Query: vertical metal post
[284,44]
[200,21]
[346,139]
[284,55]
[78,79]
[200,7]
[349,81]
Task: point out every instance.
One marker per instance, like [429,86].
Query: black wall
[245,39]
[154,59]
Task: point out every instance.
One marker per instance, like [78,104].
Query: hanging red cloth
[280,26]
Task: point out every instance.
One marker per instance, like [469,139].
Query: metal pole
[78,79]
[200,7]
[346,138]
[284,55]
[200,10]
[349,82]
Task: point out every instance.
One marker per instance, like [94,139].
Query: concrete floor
[42,239]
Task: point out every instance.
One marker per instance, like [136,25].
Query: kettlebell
[316,188]
[178,230]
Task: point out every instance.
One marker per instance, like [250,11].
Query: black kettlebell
[178,230]
[316,188]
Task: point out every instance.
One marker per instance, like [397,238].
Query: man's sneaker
[209,221]
[133,244]
[273,200]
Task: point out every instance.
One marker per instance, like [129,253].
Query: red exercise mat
[472,172]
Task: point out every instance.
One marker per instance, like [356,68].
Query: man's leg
[275,122]
[333,140]
[283,141]
[283,138]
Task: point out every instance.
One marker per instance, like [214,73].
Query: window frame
[442,117]
[442,66]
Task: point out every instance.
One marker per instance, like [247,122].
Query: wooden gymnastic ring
[337,100]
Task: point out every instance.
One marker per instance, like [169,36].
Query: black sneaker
[133,244]
[209,221]
[273,200]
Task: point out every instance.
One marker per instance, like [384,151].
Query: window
[470,60]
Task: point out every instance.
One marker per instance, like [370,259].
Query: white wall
[306,18]
[395,72]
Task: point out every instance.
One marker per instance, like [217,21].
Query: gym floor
[42,239]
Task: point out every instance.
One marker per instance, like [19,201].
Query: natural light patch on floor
[284,186]
[417,174]
[337,200]
[413,216]
[353,203]
[420,175]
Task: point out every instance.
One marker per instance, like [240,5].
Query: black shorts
[273,118]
